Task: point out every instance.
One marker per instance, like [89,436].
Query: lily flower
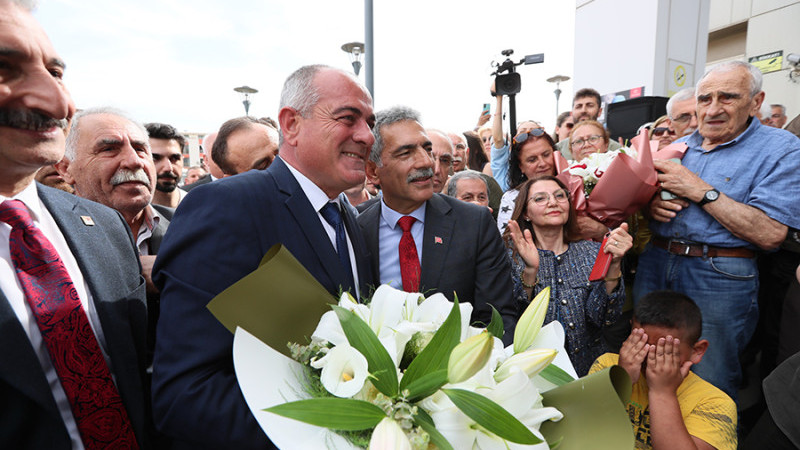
[470,356]
[388,436]
[531,321]
[531,362]
[344,370]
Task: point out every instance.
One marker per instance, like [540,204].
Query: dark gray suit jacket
[29,418]
[462,253]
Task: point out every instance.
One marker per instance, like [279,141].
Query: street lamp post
[245,92]
[557,80]
[355,50]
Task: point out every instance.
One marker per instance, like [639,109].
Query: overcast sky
[177,61]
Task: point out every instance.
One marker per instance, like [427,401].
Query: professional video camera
[511,83]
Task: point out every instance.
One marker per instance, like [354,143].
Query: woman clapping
[540,238]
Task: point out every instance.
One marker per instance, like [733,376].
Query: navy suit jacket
[462,253]
[29,418]
[219,235]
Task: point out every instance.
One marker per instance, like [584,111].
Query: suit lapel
[365,246]
[22,369]
[309,223]
[89,246]
[437,237]
[368,229]
[158,235]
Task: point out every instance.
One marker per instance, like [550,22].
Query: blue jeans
[725,289]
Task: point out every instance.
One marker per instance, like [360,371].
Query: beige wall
[740,29]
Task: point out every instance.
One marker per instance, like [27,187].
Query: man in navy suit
[95,249]
[325,119]
[458,247]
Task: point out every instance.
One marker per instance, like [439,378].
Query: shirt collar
[30,197]
[151,217]
[315,195]
[391,216]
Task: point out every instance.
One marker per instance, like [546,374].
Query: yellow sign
[680,75]
[770,62]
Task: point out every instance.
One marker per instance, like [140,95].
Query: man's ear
[63,169]
[758,99]
[289,119]
[371,169]
[698,350]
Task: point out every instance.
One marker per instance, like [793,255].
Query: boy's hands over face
[633,353]
[664,371]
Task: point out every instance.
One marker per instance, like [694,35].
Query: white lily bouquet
[407,371]
[404,371]
[592,167]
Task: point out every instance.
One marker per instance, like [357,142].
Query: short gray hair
[755,74]
[72,135]
[387,117]
[683,94]
[299,91]
[468,174]
[778,105]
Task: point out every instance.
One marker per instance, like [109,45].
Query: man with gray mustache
[72,300]
[108,160]
[426,242]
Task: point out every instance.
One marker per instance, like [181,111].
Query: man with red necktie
[426,242]
[72,305]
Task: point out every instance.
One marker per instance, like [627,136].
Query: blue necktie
[333,216]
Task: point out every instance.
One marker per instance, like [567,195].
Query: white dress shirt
[318,199]
[389,235]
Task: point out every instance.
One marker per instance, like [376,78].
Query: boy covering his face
[671,407]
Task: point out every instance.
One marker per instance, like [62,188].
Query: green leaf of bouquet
[363,339]
[426,385]
[496,325]
[436,354]
[334,413]
[491,416]
[426,423]
[556,375]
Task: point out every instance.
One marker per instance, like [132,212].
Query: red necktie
[96,405]
[409,261]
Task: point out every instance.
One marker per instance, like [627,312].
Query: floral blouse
[583,307]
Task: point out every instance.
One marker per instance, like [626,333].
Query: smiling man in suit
[325,120]
[69,276]
[426,242]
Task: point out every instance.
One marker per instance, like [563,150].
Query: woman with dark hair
[544,252]
[477,157]
[564,124]
[531,156]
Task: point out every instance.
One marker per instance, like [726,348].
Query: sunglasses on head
[660,131]
[522,137]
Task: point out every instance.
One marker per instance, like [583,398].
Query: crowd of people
[112,249]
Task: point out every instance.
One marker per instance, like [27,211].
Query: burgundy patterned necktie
[71,343]
[409,259]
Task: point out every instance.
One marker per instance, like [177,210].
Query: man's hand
[147,272]
[589,228]
[665,210]
[484,117]
[633,353]
[664,371]
[681,181]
